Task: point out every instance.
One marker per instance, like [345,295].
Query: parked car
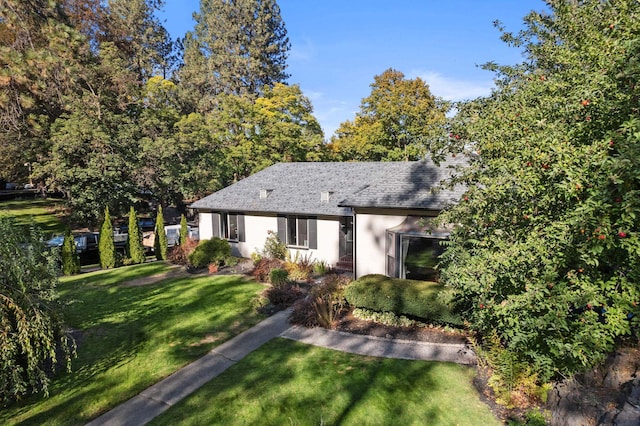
[85,241]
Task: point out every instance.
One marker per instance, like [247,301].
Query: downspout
[355,244]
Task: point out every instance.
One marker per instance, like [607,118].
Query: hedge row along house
[361,217]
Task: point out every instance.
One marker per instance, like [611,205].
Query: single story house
[363,217]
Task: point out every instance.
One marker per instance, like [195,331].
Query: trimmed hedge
[417,299]
[210,251]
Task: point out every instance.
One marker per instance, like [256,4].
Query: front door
[345,249]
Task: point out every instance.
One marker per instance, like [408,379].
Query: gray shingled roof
[295,188]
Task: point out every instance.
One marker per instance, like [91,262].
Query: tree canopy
[545,247]
[94,105]
[238,47]
[397,121]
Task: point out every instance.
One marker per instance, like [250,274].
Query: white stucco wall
[205,226]
[256,230]
[370,232]
[328,241]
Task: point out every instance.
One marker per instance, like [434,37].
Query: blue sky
[338,46]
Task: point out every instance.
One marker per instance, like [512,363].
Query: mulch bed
[348,323]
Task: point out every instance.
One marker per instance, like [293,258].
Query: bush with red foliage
[179,255]
[263,268]
[283,296]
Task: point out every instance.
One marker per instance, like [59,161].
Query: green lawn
[39,211]
[134,336]
[286,382]
[131,336]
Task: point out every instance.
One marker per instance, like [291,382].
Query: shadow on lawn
[118,325]
[286,381]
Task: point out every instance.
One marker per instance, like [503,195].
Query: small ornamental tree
[184,230]
[160,240]
[69,254]
[33,340]
[106,245]
[135,249]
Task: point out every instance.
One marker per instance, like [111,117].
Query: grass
[130,337]
[39,211]
[133,336]
[287,382]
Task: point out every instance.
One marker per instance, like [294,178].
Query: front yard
[287,382]
[135,325]
[130,337]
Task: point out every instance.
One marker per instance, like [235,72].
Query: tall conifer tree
[106,246]
[237,47]
[69,254]
[160,240]
[135,249]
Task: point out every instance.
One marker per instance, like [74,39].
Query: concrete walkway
[158,398]
[381,347]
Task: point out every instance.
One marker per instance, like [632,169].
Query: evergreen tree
[135,249]
[160,240]
[69,254]
[106,245]
[184,230]
[238,47]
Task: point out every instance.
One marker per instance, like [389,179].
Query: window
[229,226]
[298,231]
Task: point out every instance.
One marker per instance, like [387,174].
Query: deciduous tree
[545,247]
[397,121]
[32,334]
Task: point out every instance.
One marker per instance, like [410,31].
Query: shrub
[300,267]
[273,247]
[255,258]
[302,313]
[419,299]
[179,255]
[263,268]
[231,260]
[323,305]
[386,318]
[513,381]
[320,267]
[210,251]
[278,277]
[283,296]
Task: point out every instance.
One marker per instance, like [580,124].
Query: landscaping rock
[609,395]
